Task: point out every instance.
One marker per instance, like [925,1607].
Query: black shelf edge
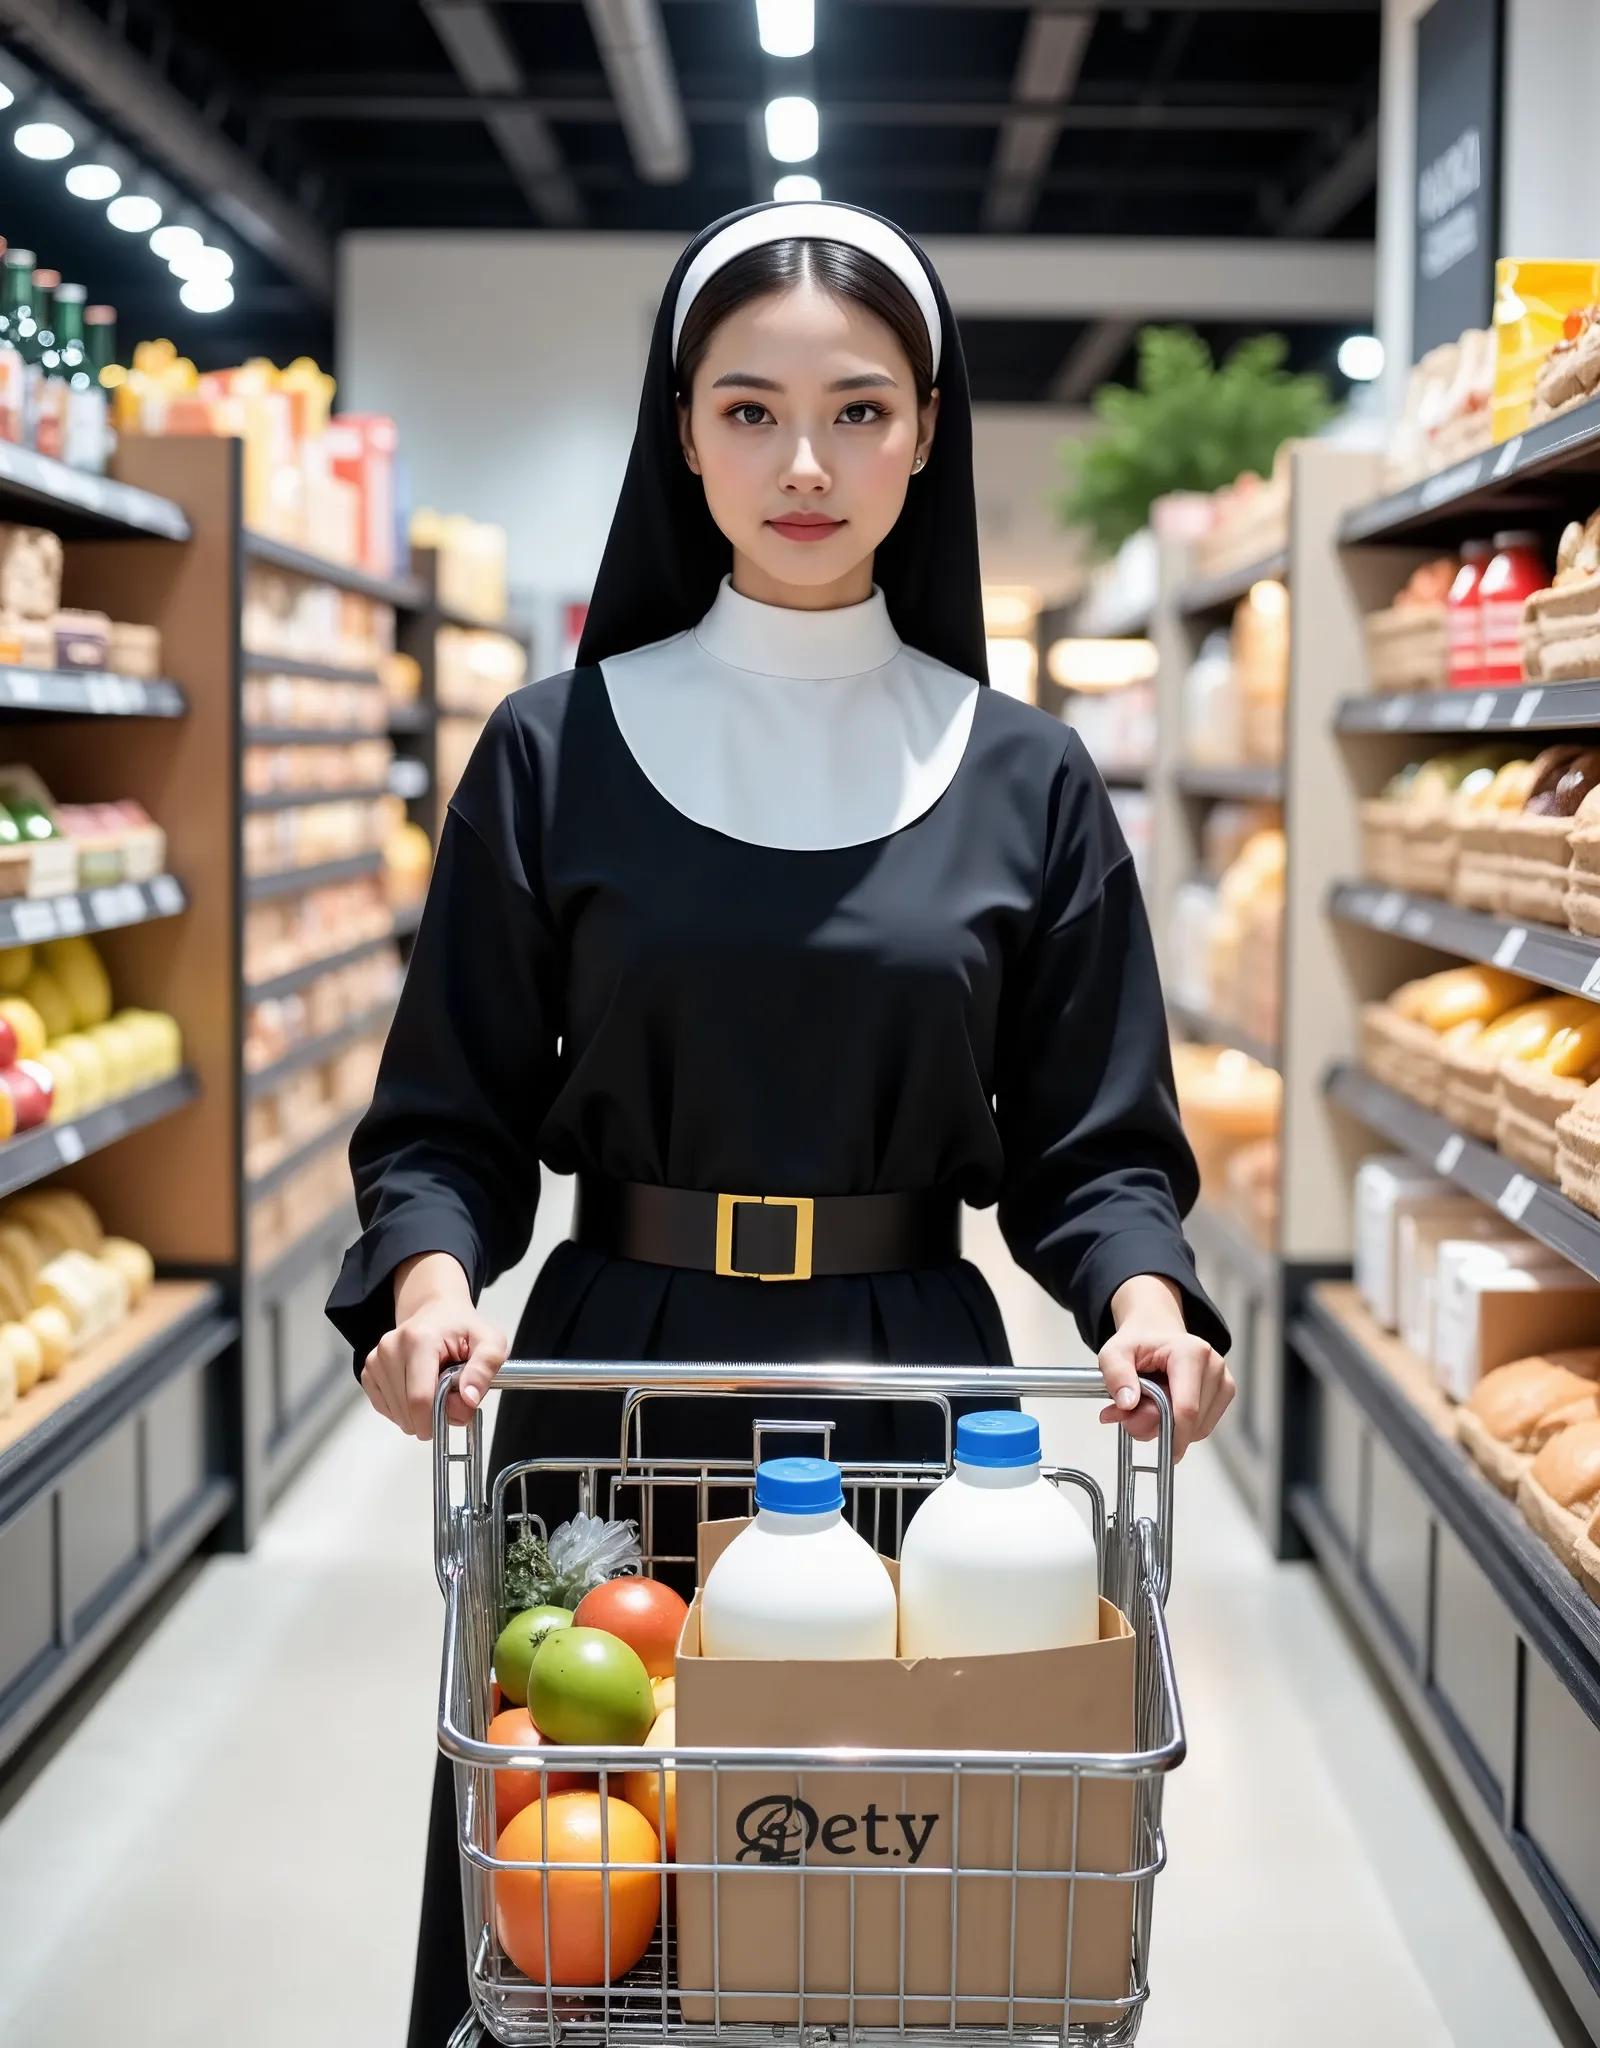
[302,977]
[285,1269]
[401,591]
[1212,1030]
[413,717]
[28,920]
[80,505]
[295,881]
[305,799]
[258,664]
[1260,784]
[1518,707]
[1483,485]
[1549,1605]
[313,1050]
[259,1185]
[32,1155]
[309,735]
[1215,1234]
[1124,775]
[1534,1205]
[1202,594]
[89,693]
[1542,952]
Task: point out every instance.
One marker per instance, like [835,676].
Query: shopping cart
[657,2001]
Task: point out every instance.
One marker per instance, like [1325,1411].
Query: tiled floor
[224,1852]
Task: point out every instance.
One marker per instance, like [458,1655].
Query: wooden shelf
[1521,707]
[262,664]
[1251,784]
[79,505]
[32,1155]
[401,591]
[29,920]
[1204,594]
[88,693]
[295,881]
[1559,959]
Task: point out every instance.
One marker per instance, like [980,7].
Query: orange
[513,1790]
[643,1788]
[577,1896]
[648,1616]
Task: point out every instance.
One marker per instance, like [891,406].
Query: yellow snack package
[1531,302]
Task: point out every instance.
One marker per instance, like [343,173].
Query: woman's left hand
[1152,1342]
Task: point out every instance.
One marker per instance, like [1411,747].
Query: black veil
[665,557]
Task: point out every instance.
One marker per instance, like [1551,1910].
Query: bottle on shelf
[46,406]
[83,403]
[1515,571]
[1463,611]
[16,299]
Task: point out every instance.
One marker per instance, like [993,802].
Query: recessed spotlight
[45,140]
[1361,358]
[796,185]
[133,213]
[207,294]
[792,129]
[93,181]
[170,241]
[201,262]
[7,96]
[787,28]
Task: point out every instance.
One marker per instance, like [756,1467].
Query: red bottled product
[1463,617]
[1515,573]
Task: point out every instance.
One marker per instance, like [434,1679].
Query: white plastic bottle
[799,1582]
[996,1559]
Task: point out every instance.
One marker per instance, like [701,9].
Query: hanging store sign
[1457,199]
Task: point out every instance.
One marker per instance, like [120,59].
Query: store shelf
[1214,1234]
[1534,1205]
[1203,594]
[1125,775]
[313,970]
[288,1267]
[1542,952]
[260,664]
[28,920]
[88,693]
[295,881]
[1515,478]
[307,799]
[80,506]
[1209,1030]
[1523,707]
[33,1154]
[400,591]
[510,629]
[315,1050]
[273,1177]
[1256,784]
[310,735]
[408,718]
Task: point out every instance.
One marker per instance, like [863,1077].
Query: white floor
[225,1848]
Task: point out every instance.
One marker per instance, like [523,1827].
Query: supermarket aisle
[232,1834]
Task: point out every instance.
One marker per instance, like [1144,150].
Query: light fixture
[792,129]
[45,140]
[1102,664]
[795,185]
[1270,598]
[207,294]
[172,241]
[1361,358]
[7,96]
[93,181]
[787,28]
[1010,607]
[134,213]
[202,262]
[1014,668]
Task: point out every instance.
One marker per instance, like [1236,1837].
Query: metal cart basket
[897,1923]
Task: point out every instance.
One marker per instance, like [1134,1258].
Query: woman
[771,898]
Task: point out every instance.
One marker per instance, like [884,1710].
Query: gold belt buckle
[804,1219]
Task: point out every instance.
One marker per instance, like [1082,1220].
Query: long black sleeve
[446,1157]
[1098,1172]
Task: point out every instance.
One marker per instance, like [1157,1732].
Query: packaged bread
[1560,1491]
[1581,902]
[54,1333]
[1479,880]
[24,1354]
[1578,1151]
[1461,995]
[1514,1411]
[1532,1102]
[30,572]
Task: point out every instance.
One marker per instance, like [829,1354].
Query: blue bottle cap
[799,1486]
[997,1437]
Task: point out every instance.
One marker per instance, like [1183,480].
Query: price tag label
[69,914]
[1515,1196]
[69,1145]
[1445,714]
[34,921]
[1507,459]
[22,686]
[1480,710]
[167,897]
[1449,483]
[1417,923]
[104,694]
[1527,705]
[1591,981]
[1395,713]
[1505,954]
[1449,1152]
[1386,912]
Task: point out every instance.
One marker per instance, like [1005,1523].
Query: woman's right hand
[436,1325]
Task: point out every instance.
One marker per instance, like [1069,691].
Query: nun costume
[766,903]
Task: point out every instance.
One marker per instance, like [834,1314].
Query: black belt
[766,1237]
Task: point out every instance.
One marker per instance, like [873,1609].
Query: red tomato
[648,1616]
[513,1790]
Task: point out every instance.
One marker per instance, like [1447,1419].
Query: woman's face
[804,427]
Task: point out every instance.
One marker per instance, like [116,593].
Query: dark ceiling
[953,116]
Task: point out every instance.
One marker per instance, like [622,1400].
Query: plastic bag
[579,1556]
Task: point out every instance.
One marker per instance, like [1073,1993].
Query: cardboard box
[1381,1186]
[1422,1231]
[796,1859]
[1494,1313]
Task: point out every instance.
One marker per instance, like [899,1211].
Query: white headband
[811,222]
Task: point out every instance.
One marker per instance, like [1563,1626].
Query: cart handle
[962,1382]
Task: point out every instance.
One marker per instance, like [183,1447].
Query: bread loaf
[1515,1410]
[1560,1490]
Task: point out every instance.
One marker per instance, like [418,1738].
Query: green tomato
[518,1641]
[591,1688]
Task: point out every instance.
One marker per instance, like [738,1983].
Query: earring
[920,463]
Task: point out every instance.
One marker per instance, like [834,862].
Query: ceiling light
[1102,664]
[202,262]
[171,241]
[45,140]
[787,27]
[1013,668]
[1361,358]
[133,213]
[207,294]
[93,181]
[6,95]
[796,185]
[792,129]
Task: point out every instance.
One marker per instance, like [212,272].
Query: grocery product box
[1422,1232]
[840,1885]
[1385,1189]
[1531,302]
[1491,1311]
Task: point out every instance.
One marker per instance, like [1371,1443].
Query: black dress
[599,983]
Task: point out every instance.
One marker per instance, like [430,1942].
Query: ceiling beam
[638,66]
[1343,185]
[1052,53]
[490,69]
[1091,359]
[93,61]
